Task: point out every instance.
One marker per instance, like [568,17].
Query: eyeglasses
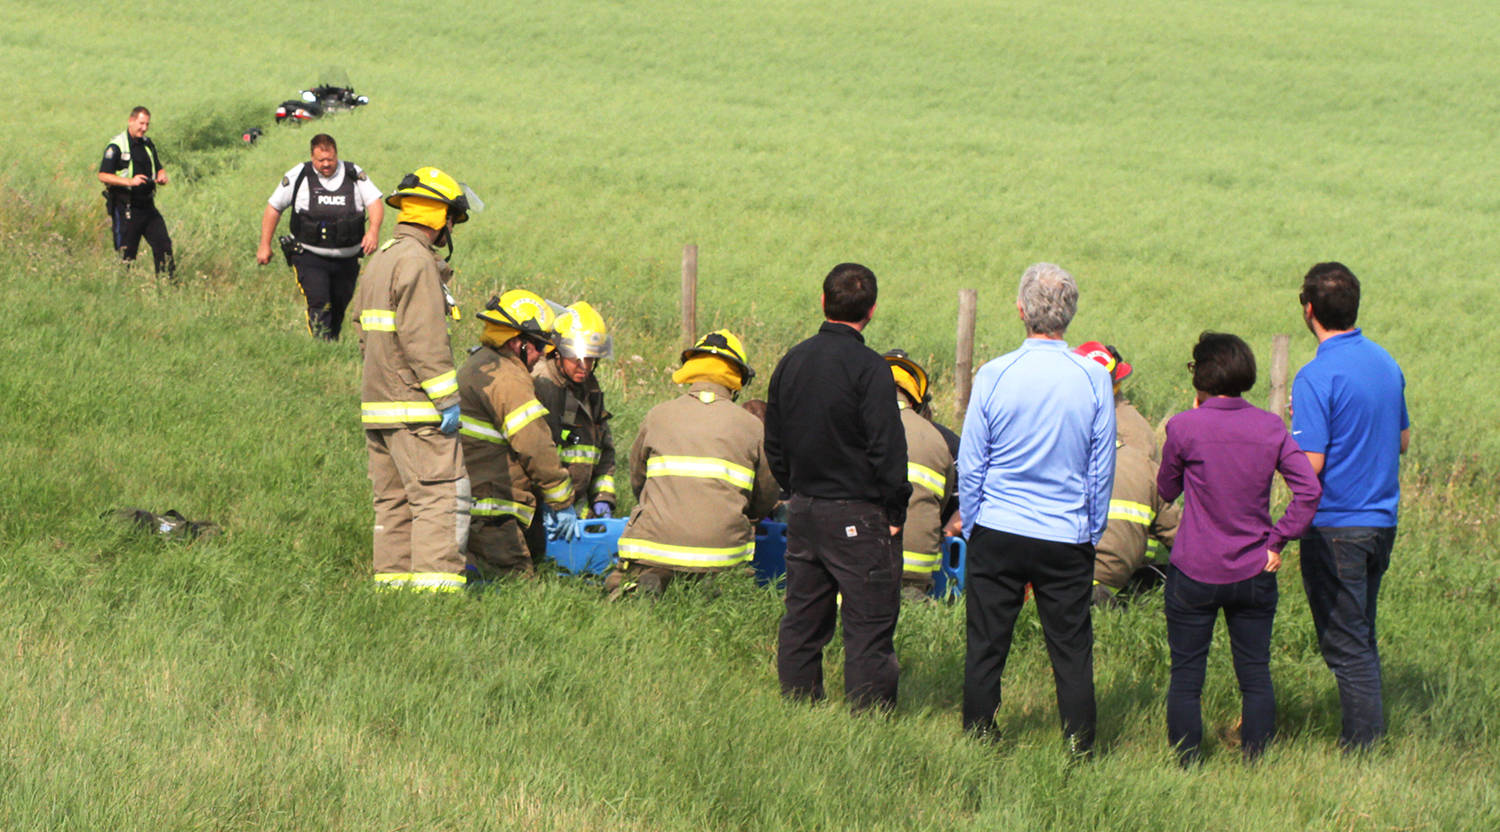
[1192,365]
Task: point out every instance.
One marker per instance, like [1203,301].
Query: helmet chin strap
[445,237]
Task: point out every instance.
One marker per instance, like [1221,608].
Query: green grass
[1187,162]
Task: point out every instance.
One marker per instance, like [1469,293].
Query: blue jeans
[1249,608]
[1341,571]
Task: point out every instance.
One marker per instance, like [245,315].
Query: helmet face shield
[586,345]
[471,200]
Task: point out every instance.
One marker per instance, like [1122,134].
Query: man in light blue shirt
[1036,464]
[1349,416]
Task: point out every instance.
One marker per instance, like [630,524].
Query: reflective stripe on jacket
[403,334]
[1139,524]
[513,465]
[580,427]
[699,471]
[929,468]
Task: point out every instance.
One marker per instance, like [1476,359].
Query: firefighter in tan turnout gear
[929,468]
[699,473]
[512,460]
[409,396]
[1141,527]
[566,386]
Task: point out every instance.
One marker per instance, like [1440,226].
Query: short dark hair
[138,110]
[1333,291]
[1223,364]
[322,140]
[848,293]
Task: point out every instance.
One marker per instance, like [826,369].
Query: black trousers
[1061,575]
[129,223]
[840,547]
[328,285]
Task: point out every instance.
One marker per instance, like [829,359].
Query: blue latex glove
[450,420]
[562,524]
[602,509]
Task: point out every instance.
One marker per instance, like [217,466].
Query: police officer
[330,201]
[130,171]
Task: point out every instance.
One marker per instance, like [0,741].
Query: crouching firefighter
[410,390]
[507,445]
[699,472]
[929,468]
[330,201]
[566,386]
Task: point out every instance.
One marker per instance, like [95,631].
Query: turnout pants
[132,222]
[497,547]
[840,547]
[327,285]
[1061,575]
[421,507]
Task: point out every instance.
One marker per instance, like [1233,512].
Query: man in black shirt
[131,170]
[835,443]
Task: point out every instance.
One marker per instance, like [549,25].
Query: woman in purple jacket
[1222,456]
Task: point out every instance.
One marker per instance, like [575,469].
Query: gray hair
[1049,298]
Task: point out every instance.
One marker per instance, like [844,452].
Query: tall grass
[1186,162]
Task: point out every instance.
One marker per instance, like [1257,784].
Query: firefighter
[1141,527]
[699,473]
[929,468]
[131,172]
[507,444]
[330,201]
[566,386]
[1130,425]
[410,389]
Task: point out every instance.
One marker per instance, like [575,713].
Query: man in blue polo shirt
[1349,416]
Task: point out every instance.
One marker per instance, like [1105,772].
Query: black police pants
[840,547]
[999,566]
[328,285]
[131,223]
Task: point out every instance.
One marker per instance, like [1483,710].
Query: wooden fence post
[963,365]
[1280,344]
[689,295]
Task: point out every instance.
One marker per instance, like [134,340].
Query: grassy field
[1187,162]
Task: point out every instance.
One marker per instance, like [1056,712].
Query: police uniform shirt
[365,193]
[140,162]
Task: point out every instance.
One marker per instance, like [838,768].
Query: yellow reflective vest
[699,472]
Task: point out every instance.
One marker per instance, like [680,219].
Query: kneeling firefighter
[699,472]
[566,386]
[507,444]
[929,468]
[409,393]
